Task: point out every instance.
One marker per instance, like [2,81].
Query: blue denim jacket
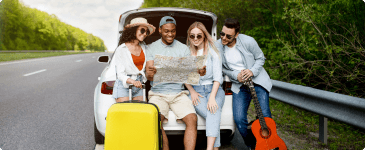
[253,58]
[214,69]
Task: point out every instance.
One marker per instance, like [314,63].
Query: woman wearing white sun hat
[130,59]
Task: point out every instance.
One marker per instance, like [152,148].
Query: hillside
[24,28]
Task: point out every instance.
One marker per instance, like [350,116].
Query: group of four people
[236,55]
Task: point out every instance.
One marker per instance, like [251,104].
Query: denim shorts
[120,91]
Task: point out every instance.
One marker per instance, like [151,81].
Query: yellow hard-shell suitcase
[133,125]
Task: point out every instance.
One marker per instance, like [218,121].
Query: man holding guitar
[242,61]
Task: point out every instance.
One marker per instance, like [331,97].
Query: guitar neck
[256,103]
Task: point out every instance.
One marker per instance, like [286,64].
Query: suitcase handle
[144,92]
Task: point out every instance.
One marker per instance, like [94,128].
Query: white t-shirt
[234,58]
[199,52]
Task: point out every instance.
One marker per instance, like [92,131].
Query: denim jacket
[214,69]
[253,59]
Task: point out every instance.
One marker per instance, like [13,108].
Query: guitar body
[272,140]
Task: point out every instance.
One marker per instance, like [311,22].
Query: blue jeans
[241,102]
[212,121]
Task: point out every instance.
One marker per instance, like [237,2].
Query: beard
[229,43]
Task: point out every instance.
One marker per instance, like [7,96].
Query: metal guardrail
[344,108]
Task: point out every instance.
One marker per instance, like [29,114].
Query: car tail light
[227,88]
[107,87]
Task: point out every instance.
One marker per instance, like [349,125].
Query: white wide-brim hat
[141,21]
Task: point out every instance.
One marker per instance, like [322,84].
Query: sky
[98,17]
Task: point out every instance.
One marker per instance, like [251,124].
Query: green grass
[7,56]
[305,125]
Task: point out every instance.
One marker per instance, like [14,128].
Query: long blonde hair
[208,40]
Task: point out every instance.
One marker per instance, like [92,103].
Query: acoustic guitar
[264,128]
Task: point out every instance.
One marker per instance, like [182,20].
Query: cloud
[97,24]
[60,2]
[119,2]
[67,8]
[34,2]
[93,2]
[100,11]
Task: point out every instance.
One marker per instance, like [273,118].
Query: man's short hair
[232,23]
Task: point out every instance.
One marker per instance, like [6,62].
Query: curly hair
[128,35]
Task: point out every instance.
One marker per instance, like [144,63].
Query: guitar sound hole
[265,133]
[275,148]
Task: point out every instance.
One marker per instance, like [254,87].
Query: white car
[184,18]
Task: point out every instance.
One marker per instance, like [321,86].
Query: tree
[24,28]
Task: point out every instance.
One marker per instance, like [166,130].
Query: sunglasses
[228,36]
[198,37]
[144,30]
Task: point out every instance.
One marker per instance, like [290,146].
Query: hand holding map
[178,69]
[202,71]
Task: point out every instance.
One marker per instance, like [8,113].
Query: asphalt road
[47,103]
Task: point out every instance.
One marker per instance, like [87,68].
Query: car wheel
[99,138]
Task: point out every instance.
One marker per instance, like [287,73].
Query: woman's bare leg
[210,143]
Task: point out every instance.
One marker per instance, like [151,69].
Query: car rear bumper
[103,102]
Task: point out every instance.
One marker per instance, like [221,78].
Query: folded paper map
[177,69]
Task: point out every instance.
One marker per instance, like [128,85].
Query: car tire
[99,138]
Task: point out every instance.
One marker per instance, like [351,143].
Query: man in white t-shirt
[242,58]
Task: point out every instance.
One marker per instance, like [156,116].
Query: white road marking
[99,147]
[35,72]
[78,60]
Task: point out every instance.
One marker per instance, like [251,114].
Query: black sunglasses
[228,36]
[144,30]
[198,37]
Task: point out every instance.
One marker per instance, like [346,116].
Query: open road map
[178,69]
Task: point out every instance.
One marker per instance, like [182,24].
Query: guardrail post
[323,129]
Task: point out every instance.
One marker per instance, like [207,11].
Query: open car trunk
[184,18]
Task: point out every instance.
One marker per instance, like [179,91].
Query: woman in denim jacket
[130,60]
[207,97]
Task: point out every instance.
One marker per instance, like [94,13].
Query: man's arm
[234,76]
[258,56]
[150,70]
